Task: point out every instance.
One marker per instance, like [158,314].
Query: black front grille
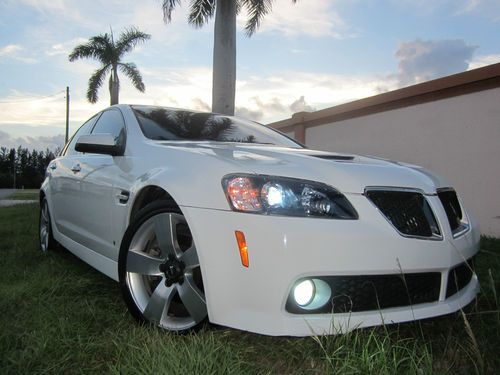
[408,211]
[452,208]
[459,277]
[375,292]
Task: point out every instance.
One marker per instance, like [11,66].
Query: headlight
[285,196]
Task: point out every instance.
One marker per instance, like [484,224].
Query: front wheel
[159,270]
[45,238]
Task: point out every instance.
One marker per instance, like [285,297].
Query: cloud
[14,51]
[200,105]
[258,109]
[27,109]
[316,18]
[64,48]
[483,60]
[421,60]
[300,105]
[251,114]
[32,143]
[487,8]
[10,50]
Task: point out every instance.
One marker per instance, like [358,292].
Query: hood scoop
[334,157]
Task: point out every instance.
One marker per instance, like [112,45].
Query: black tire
[46,240]
[144,291]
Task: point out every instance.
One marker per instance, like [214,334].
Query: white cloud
[483,60]
[421,60]
[10,50]
[488,8]
[200,105]
[316,18]
[47,5]
[300,105]
[32,143]
[14,51]
[64,48]
[263,98]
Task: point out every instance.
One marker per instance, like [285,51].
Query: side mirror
[99,144]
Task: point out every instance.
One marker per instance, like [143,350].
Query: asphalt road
[4,193]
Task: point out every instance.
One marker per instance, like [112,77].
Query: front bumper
[283,250]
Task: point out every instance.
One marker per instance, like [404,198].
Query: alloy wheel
[44,230]
[163,273]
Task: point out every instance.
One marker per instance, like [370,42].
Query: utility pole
[67,115]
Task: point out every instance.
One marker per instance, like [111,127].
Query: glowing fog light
[303,293]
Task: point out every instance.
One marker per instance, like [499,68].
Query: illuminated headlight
[286,196]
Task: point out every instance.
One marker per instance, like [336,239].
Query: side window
[111,122]
[84,130]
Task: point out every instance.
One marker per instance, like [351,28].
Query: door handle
[76,168]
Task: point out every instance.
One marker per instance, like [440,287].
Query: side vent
[123,197]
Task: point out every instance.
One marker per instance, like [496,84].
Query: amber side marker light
[242,246]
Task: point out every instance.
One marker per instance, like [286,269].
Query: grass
[25,194]
[58,315]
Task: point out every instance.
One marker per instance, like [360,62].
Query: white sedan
[201,216]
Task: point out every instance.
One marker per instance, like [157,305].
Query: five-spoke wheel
[159,269]
[46,240]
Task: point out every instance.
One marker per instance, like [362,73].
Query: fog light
[303,293]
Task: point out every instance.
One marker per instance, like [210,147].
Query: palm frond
[201,11]
[168,7]
[129,39]
[85,51]
[95,82]
[97,48]
[131,71]
[256,9]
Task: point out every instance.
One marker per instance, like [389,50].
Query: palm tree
[224,59]
[103,48]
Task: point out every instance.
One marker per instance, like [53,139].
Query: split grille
[452,208]
[375,292]
[408,211]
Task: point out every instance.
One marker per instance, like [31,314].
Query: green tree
[224,55]
[110,53]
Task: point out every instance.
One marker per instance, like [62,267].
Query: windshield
[165,124]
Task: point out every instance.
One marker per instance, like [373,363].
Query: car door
[97,175]
[64,183]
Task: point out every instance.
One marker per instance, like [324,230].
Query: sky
[308,56]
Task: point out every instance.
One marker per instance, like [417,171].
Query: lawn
[58,315]
[25,194]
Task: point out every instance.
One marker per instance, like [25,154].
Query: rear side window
[84,130]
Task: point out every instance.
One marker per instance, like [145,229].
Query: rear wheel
[159,270]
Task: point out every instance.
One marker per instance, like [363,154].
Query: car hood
[346,172]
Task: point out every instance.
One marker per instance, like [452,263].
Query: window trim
[95,118]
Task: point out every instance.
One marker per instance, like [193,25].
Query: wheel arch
[148,194]
[41,196]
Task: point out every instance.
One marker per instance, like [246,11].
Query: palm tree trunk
[114,87]
[224,61]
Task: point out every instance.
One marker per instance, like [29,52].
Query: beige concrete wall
[458,138]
